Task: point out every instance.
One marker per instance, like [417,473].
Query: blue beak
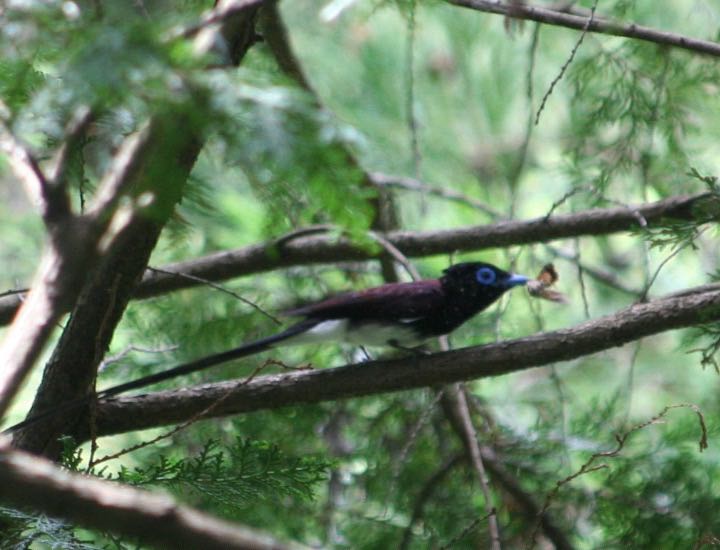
[515,280]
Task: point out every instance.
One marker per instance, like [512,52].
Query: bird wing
[394,301]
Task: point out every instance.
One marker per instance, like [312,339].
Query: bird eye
[485,276]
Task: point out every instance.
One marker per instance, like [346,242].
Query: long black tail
[245,350]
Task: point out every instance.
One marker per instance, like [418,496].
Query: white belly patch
[361,334]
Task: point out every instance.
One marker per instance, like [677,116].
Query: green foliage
[234,478]
[294,156]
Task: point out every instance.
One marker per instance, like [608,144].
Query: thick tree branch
[323,249]
[29,481]
[519,10]
[375,377]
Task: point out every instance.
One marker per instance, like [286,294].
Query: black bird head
[478,283]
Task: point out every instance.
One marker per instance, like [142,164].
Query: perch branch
[376,377]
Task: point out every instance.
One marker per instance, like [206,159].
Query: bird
[400,315]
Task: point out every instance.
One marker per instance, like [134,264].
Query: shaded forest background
[331,147]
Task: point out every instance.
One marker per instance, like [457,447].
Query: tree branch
[375,377]
[323,249]
[29,481]
[549,16]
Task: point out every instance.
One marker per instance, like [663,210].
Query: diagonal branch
[29,481]
[549,16]
[456,408]
[153,164]
[375,377]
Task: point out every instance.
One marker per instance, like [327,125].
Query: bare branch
[598,25]
[271,392]
[318,249]
[330,249]
[29,481]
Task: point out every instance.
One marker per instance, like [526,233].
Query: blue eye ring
[486,276]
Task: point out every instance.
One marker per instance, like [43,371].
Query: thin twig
[514,177]
[476,459]
[567,63]
[588,466]
[670,256]
[466,531]
[397,255]
[221,288]
[411,114]
[14,292]
[581,280]
[412,435]
[74,134]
